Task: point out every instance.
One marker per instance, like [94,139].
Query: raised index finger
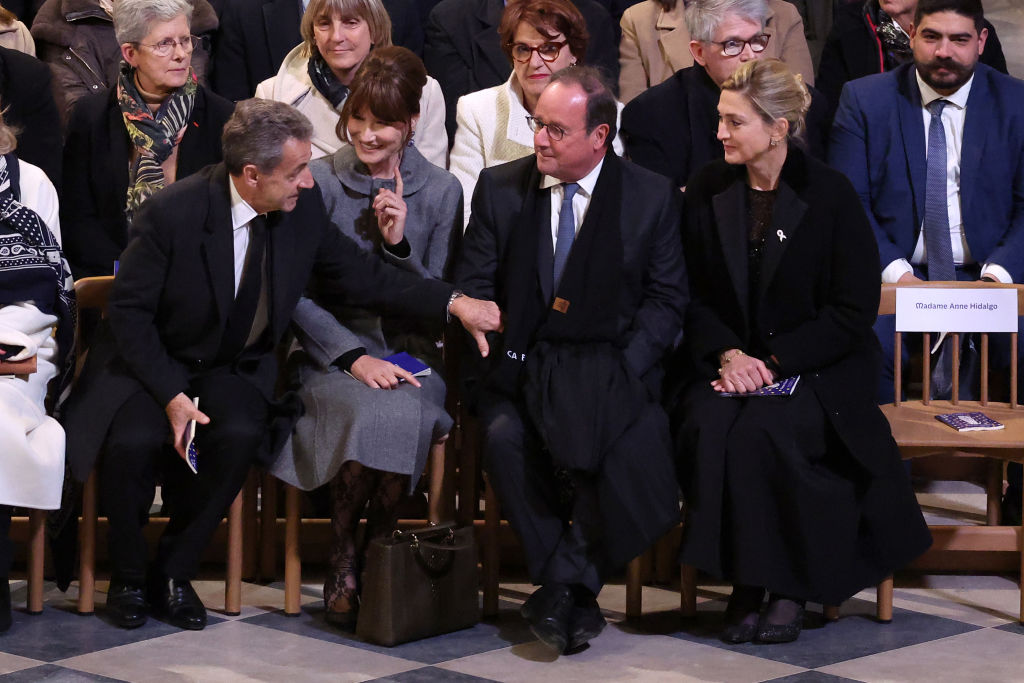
[398,182]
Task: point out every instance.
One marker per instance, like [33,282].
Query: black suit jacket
[463,49]
[817,296]
[254,38]
[508,199]
[672,127]
[96,157]
[175,288]
[853,50]
[27,100]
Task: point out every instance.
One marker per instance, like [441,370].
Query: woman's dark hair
[389,84]
[965,8]
[549,18]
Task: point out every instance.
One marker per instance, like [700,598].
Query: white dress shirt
[241,215]
[580,200]
[953,117]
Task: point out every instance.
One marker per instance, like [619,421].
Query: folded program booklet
[970,422]
[409,364]
[784,387]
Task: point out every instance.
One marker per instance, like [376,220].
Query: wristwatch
[456,293]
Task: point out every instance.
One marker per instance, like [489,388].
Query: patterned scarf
[895,43]
[33,268]
[154,135]
[326,83]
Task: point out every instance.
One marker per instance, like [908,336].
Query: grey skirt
[389,430]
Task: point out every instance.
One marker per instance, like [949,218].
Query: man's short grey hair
[703,17]
[256,133]
[133,19]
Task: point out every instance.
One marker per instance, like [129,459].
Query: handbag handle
[435,557]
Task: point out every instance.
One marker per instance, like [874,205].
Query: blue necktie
[936,209]
[566,231]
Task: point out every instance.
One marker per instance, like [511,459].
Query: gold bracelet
[726,361]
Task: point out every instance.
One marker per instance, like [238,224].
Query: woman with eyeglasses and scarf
[37,321]
[538,37]
[157,124]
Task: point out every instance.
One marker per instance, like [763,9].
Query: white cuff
[998,272]
[895,270]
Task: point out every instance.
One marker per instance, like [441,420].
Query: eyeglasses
[521,52]
[166,46]
[555,132]
[733,46]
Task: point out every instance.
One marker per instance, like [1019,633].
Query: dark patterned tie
[566,231]
[936,210]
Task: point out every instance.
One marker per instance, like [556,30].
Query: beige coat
[655,44]
[293,86]
[15,36]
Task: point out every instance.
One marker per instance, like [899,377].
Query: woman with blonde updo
[803,495]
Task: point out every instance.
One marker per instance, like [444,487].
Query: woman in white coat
[315,76]
[539,37]
[36,320]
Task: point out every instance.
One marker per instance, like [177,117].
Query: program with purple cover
[784,387]
[969,422]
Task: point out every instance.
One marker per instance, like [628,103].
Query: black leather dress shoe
[5,604]
[126,604]
[549,612]
[587,624]
[178,603]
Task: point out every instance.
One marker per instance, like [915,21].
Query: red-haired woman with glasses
[539,37]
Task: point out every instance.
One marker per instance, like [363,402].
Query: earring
[412,137]
[772,142]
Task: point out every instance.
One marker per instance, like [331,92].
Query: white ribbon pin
[781,235]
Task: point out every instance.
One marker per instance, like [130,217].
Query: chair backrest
[887,306]
[93,292]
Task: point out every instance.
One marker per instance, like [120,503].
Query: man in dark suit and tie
[935,148]
[205,290]
[582,252]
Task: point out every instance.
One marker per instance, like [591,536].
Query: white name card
[956,310]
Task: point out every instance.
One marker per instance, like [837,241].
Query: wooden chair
[92,294]
[36,518]
[918,433]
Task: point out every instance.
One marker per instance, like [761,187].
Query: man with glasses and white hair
[581,250]
[672,127]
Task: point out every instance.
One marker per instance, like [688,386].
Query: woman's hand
[740,373]
[391,211]
[380,374]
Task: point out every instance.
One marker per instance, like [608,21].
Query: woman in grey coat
[369,424]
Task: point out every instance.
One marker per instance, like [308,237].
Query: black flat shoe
[5,604]
[743,632]
[126,604]
[549,612]
[741,614]
[177,601]
[768,632]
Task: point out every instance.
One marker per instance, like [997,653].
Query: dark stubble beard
[958,74]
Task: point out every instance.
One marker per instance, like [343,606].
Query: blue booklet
[784,387]
[411,365]
[191,450]
[970,422]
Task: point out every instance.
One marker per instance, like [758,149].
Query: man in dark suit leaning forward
[582,252]
[205,290]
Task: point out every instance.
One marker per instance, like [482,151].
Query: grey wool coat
[344,418]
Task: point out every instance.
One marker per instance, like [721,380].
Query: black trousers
[6,547]
[137,451]
[524,479]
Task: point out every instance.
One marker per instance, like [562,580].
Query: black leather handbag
[418,584]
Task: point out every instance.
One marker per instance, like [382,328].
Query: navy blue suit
[878,141]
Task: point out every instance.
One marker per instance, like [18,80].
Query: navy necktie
[566,231]
[936,209]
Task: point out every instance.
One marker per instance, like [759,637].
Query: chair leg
[884,601]
[830,612]
[233,580]
[436,508]
[634,587]
[491,558]
[250,526]
[292,558]
[87,549]
[687,590]
[268,527]
[36,555]
[994,491]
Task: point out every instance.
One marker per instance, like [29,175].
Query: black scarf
[32,266]
[326,83]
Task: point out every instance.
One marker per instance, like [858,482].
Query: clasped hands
[740,373]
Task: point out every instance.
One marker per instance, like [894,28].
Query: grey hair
[133,18]
[256,133]
[704,16]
